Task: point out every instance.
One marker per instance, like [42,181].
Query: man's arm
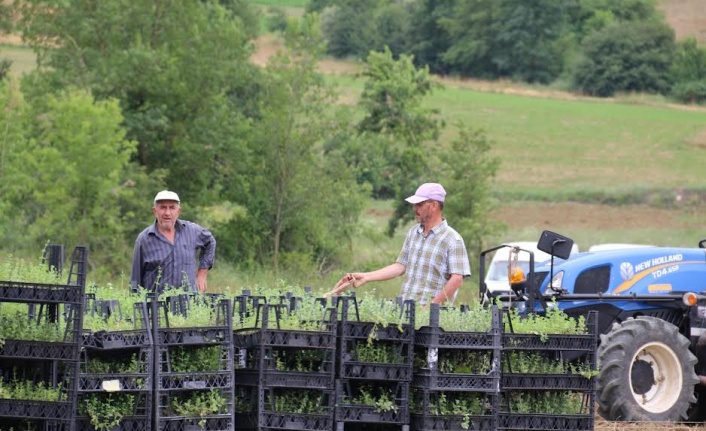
[450,288]
[390,271]
[136,270]
[208,256]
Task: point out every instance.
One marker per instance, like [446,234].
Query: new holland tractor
[651,304]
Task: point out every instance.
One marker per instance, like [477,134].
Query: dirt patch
[687,17]
[572,215]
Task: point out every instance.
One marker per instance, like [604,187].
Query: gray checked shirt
[157,263]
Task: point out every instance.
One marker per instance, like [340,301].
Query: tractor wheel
[646,372]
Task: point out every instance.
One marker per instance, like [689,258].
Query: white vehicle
[616,246]
[496,279]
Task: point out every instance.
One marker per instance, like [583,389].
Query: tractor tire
[646,372]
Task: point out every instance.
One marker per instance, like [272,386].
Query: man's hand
[201,277]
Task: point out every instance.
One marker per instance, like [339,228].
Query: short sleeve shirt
[429,261]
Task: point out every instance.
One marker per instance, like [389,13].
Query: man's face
[423,211]
[166,213]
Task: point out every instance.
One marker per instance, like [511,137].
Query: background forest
[132,96]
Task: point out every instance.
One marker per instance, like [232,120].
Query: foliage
[690,92]
[16,269]
[294,222]
[689,72]
[16,324]
[380,397]
[121,314]
[199,403]
[349,27]
[625,57]
[541,402]
[469,169]
[554,321]
[106,410]
[392,101]
[195,359]
[25,389]
[71,164]
[379,353]
[493,39]
[118,365]
[474,318]
[176,68]
[464,362]
[300,401]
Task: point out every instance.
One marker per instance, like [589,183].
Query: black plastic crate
[375,371]
[566,382]
[435,380]
[109,340]
[452,422]
[11,291]
[106,382]
[205,423]
[517,421]
[37,409]
[182,336]
[577,343]
[295,421]
[371,414]
[195,380]
[126,424]
[435,336]
[285,379]
[370,330]
[439,338]
[23,349]
[348,391]
[255,337]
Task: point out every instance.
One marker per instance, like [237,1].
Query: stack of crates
[193,371]
[560,400]
[115,381]
[457,375]
[284,376]
[374,370]
[51,366]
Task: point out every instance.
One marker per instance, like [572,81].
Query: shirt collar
[435,230]
[152,230]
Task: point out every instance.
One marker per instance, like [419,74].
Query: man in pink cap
[433,259]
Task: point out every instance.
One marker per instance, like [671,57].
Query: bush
[690,92]
[626,57]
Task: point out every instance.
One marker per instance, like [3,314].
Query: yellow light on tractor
[517,275]
[690,299]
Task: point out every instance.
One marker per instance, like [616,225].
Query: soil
[572,215]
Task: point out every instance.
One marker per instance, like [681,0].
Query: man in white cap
[166,252]
[433,259]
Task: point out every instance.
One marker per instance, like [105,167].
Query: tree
[429,37]
[67,173]
[626,56]
[301,204]
[171,64]
[392,101]
[527,40]
[468,170]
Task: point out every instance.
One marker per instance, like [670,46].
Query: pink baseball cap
[427,191]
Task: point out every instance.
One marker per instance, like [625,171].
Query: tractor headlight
[555,284]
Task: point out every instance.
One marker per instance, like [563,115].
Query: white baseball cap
[166,195]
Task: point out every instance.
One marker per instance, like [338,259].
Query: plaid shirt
[157,263]
[429,261]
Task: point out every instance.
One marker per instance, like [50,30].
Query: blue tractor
[651,304]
